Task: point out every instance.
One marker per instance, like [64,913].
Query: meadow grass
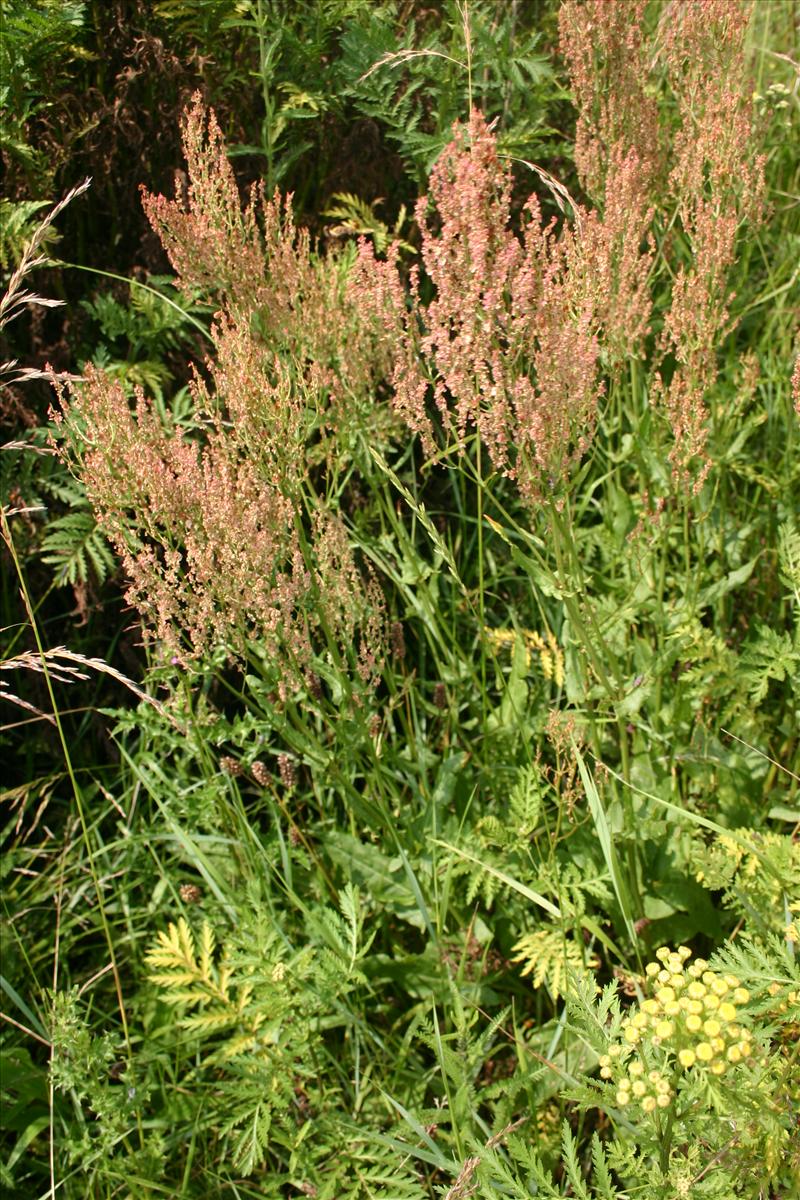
[455,850]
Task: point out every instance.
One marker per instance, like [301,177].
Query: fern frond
[174,948]
[773,656]
[250,1140]
[173,979]
[206,949]
[550,957]
[789,558]
[758,963]
[569,1151]
[211,1020]
[525,800]
[237,1046]
[76,546]
[604,1185]
[176,996]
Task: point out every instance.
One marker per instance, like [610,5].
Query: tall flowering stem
[717,181]
[697,159]
[510,346]
[607,53]
[230,533]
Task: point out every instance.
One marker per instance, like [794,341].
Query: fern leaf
[175,947]
[175,996]
[525,800]
[789,557]
[570,1159]
[210,1021]
[75,545]
[249,1146]
[549,957]
[773,656]
[604,1185]
[183,940]
[206,949]
[173,979]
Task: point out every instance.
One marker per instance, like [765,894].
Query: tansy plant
[694,1075]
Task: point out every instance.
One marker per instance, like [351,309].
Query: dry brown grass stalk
[63,666]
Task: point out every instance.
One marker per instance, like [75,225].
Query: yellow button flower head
[688,1000]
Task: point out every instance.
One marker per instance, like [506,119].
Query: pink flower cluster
[678,96]
[224,538]
[510,343]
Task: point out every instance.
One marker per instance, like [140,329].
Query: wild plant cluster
[449,844]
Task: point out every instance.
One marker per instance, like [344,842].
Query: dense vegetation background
[400,598]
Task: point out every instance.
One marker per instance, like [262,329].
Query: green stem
[481,586]
[8,539]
